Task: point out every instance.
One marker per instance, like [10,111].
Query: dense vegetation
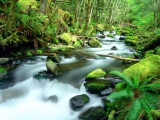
[37,26]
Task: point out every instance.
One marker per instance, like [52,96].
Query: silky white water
[28,99]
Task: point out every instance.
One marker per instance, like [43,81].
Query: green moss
[100,27]
[110,35]
[65,38]
[2,70]
[96,87]
[149,53]
[145,68]
[77,44]
[85,98]
[55,40]
[94,43]
[29,54]
[39,52]
[96,73]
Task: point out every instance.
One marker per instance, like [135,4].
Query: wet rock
[5,61]
[132,50]
[97,86]
[106,91]
[55,58]
[77,102]
[93,113]
[122,38]
[114,48]
[94,43]
[52,68]
[42,76]
[53,98]
[95,74]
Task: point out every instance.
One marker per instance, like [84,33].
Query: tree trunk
[88,16]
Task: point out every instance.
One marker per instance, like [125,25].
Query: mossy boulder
[93,113]
[5,61]
[96,74]
[77,102]
[94,43]
[65,38]
[97,86]
[52,68]
[100,27]
[77,44]
[145,68]
[132,40]
[111,35]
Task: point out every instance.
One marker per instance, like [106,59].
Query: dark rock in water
[43,76]
[5,61]
[54,58]
[52,68]
[114,48]
[53,98]
[106,91]
[122,38]
[6,82]
[93,113]
[77,102]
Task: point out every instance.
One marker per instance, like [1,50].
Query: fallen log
[120,58]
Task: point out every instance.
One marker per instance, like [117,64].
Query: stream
[28,98]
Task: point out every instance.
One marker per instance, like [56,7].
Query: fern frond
[153,85]
[134,111]
[147,109]
[119,94]
[123,76]
[151,100]
[135,82]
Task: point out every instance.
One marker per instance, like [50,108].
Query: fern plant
[137,99]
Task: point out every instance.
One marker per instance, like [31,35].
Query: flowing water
[28,98]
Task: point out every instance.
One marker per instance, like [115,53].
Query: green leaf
[134,111]
[119,94]
[153,85]
[123,76]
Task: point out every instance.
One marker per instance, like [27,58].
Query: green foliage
[2,70]
[39,51]
[142,95]
[29,54]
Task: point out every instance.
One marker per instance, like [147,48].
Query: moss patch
[94,43]
[145,68]
[65,38]
[39,52]
[96,73]
[2,70]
